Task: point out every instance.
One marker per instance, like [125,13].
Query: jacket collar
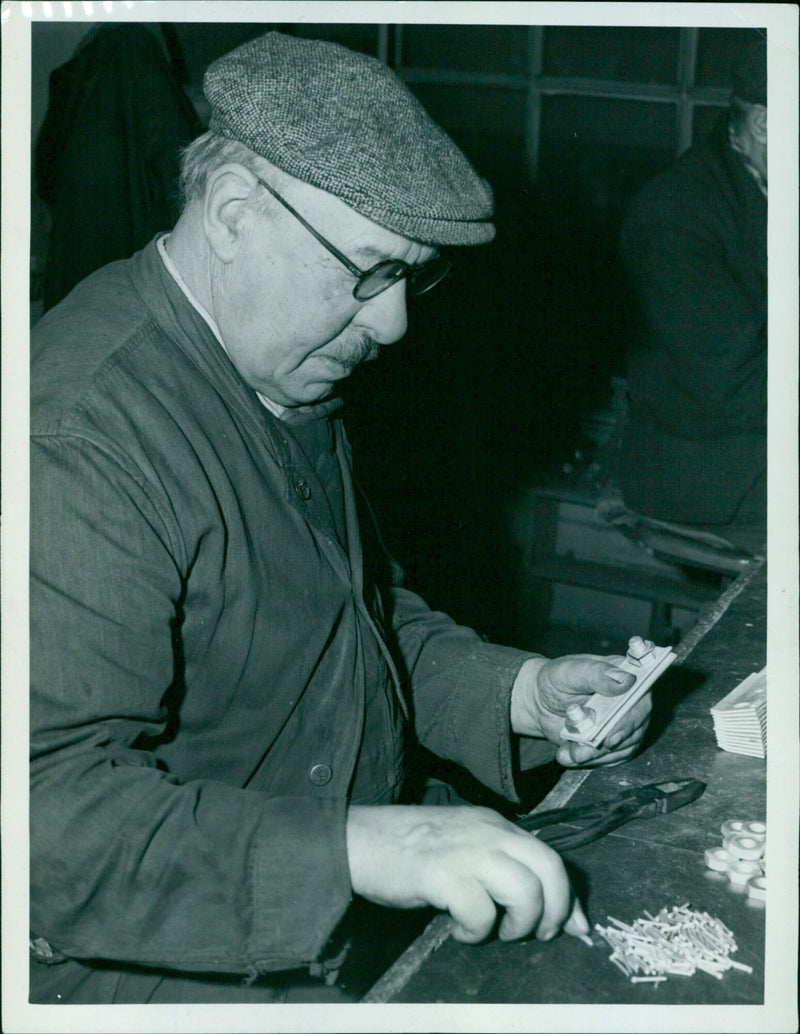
[193,331]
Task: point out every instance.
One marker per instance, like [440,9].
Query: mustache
[360,350]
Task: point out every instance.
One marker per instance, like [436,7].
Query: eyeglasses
[384,274]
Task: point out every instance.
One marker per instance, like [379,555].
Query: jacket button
[320,774]
[303,489]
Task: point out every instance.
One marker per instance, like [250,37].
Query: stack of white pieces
[740,718]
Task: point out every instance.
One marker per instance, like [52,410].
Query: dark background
[506,362]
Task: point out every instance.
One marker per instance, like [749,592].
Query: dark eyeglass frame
[384,274]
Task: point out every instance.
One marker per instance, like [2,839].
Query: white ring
[742,846]
[757,888]
[717,858]
[741,870]
[732,826]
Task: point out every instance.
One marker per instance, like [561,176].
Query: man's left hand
[543,690]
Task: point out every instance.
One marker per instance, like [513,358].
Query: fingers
[633,725]
[556,900]
[468,861]
[609,758]
[621,744]
[510,886]
[474,912]
[577,925]
[524,881]
[568,678]
[581,755]
[577,755]
[523,901]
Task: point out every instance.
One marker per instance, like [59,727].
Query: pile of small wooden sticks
[676,942]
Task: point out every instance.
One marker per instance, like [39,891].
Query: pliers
[600,817]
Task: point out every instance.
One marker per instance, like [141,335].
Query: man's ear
[757,120]
[224,208]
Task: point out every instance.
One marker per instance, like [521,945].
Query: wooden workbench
[645,865]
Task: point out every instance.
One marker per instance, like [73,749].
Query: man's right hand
[464,860]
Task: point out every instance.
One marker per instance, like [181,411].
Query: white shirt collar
[174,272]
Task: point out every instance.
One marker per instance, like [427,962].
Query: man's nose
[385,314]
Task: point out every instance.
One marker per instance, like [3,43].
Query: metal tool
[596,819]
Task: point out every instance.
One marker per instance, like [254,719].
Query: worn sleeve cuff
[476,732]
[300,881]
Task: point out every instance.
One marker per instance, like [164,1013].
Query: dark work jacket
[213,674]
[694,244]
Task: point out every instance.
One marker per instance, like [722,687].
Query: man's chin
[323,373]
[315,391]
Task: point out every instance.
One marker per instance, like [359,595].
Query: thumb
[612,681]
[573,754]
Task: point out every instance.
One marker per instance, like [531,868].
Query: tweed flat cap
[343,122]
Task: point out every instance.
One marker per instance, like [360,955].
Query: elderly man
[694,244]
[225,667]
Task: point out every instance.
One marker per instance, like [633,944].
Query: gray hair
[208,152]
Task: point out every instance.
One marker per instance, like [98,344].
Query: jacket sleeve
[127,863]
[709,332]
[461,689]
